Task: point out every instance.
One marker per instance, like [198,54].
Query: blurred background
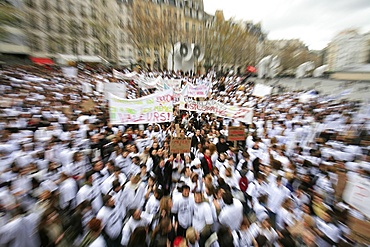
[127,33]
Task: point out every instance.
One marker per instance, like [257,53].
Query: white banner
[261,90]
[198,91]
[122,76]
[357,194]
[242,114]
[148,83]
[155,108]
[117,89]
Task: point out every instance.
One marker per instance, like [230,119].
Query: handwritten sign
[179,145]
[143,143]
[236,134]
[155,108]
[357,194]
[88,105]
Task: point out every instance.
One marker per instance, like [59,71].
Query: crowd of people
[70,178]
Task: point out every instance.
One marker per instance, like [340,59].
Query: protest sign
[261,90]
[155,108]
[143,143]
[173,83]
[117,89]
[236,133]
[357,194]
[180,145]
[87,105]
[242,114]
[198,91]
[70,72]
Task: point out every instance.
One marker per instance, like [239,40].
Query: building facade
[126,32]
[348,49]
[78,30]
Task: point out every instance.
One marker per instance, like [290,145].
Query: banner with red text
[242,114]
[198,91]
[155,108]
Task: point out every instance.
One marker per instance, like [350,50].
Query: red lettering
[155,116]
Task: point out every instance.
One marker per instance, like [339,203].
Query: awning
[42,60]
[251,69]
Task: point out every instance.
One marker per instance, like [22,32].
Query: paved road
[354,90]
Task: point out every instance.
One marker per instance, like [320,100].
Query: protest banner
[117,89]
[242,114]
[236,133]
[198,91]
[149,83]
[357,194]
[180,145]
[122,76]
[155,108]
[261,90]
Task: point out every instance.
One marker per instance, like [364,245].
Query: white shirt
[202,216]
[184,208]
[67,193]
[284,218]
[232,215]
[130,226]
[21,231]
[133,196]
[152,206]
[87,192]
[276,196]
[99,242]
[111,221]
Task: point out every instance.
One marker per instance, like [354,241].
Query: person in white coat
[67,192]
[87,192]
[231,214]
[93,238]
[111,221]
[136,220]
[183,208]
[202,218]
[133,195]
[277,193]
[20,231]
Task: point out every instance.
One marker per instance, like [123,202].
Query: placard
[88,105]
[143,143]
[180,145]
[236,133]
[357,194]
[261,90]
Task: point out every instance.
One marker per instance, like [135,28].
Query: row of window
[61,46]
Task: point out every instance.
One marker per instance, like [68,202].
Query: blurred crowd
[70,178]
